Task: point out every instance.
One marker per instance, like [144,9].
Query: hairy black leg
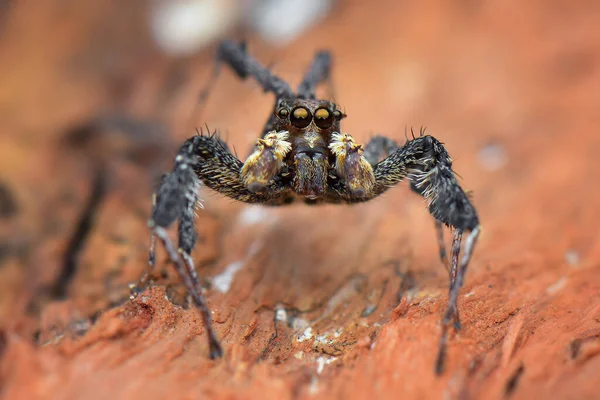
[147,277]
[176,199]
[187,240]
[235,56]
[215,350]
[449,204]
[452,308]
[378,148]
[220,170]
[439,228]
[426,163]
[319,71]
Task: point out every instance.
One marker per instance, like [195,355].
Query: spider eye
[338,115]
[300,117]
[323,118]
[283,112]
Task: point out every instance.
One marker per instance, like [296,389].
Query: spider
[303,155]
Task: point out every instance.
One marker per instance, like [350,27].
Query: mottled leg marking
[266,161]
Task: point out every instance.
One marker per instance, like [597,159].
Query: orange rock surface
[512,89]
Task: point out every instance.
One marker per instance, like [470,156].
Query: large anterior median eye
[300,117]
[323,118]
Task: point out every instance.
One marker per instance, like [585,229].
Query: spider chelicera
[303,155]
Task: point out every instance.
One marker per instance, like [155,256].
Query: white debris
[322,362]
[256,214]
[556,286]
[222,282]
[493,157]
[281,315]
[572,257]
[306,335]
[299,323]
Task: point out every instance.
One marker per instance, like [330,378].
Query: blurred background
[96,96]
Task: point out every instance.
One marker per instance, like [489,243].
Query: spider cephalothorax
[304,154]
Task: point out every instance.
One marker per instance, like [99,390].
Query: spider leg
[433,178]
[425,161]
[223,172]
[319,71]
[243,64]
[380,147]
[176,199]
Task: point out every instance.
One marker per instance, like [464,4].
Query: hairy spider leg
[425,161]
[380,147]
[244,65]
[318,72]
[452,309]
[176,199]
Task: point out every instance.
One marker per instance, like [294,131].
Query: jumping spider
[303,155]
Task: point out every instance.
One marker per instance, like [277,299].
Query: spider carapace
[303,154]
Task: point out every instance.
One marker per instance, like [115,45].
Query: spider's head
[311,124]
[299,116]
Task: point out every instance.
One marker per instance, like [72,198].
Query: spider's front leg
[380,147]
[425,161]
[176,199]
[206,159]
[434,179]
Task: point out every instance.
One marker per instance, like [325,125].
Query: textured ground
[512,90]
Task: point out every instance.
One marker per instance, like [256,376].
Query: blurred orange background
[511,88]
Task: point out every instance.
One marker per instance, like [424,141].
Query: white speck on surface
[556,286]
[323,339]
[314,386]
[320,365]
[281,21]
[254,248]
[493,157]
[255,214]
[299,323]
[471,293]
[322,362]
[572,257]
[281,315]
[222,282]
[306,335]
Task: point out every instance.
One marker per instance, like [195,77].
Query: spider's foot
[216,351]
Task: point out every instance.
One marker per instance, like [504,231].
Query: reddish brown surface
[524,79]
